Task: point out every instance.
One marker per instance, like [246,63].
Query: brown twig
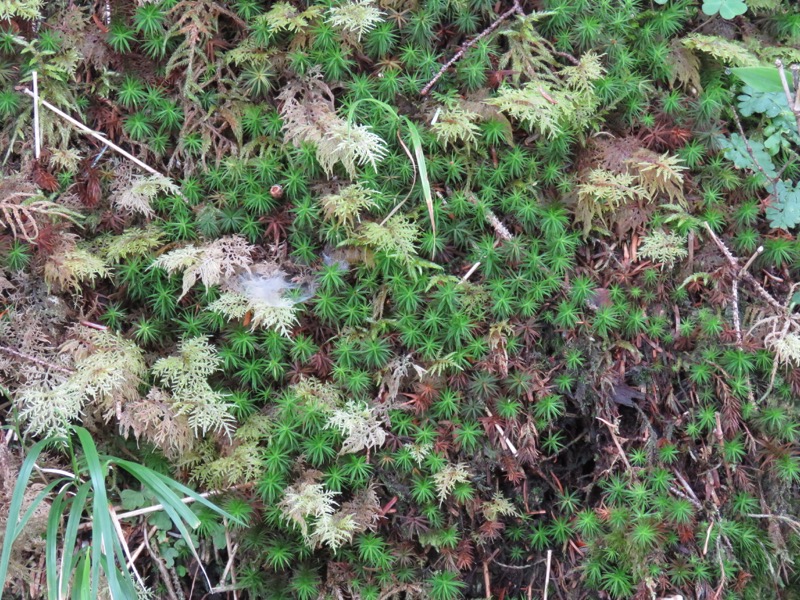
[612,429]
[792,522]
[157,507]
[749,148]
[737,324]
[162,569]
[35,360]
[458,55]
[734,262]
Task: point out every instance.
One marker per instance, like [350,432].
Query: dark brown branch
[514,9]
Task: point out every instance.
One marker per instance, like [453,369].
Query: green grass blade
[177,511]
[51,544]
[160,489]
[16,504]
[35,504]
[82,590]
[71,536]
[102,528]
[147,475]
[422,168]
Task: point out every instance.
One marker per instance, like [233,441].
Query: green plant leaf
[784,212]
[761,79]
[736,151]
[727,9]
[131,499]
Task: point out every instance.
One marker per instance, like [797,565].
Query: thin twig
[469,273]
[162,569]
[687,487]
[124,543]
[744,274]
[794,524]
[708,537]
[157,507]
[612,430]
[514,9]
[413,181]
[38,361]
[792,104]
[679,493]
[750,152]
[752,259]
[547,574]
[97,135]
[37,134]
[503,436]
[737,324]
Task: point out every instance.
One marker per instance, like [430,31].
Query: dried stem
[458,55]
[793,104]
[734,262]
[547,574]
[37,134]
[749,148]
[35,360]
[612,429]
[96,135]
[737,324]
[162,569]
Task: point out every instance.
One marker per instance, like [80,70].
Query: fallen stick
[37,135]
[463,50]
[96,135]
[547,574]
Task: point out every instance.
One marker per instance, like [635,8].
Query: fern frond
[344,208]
[355,18]
[447,478]
[397,237]
[456,124]
[133,242]
[137,197]
[108,371]
[186,376]
[280,315]
[360,425]
[659,174]
[72,265]
[728,52]
[664,248]
[242,464]
[285,17]
[305,500]
[211,264]
[551,107]
[21,212]
[309,115]
[529,54]
[604,192]
[23,9]
[155,419]
[499,506]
